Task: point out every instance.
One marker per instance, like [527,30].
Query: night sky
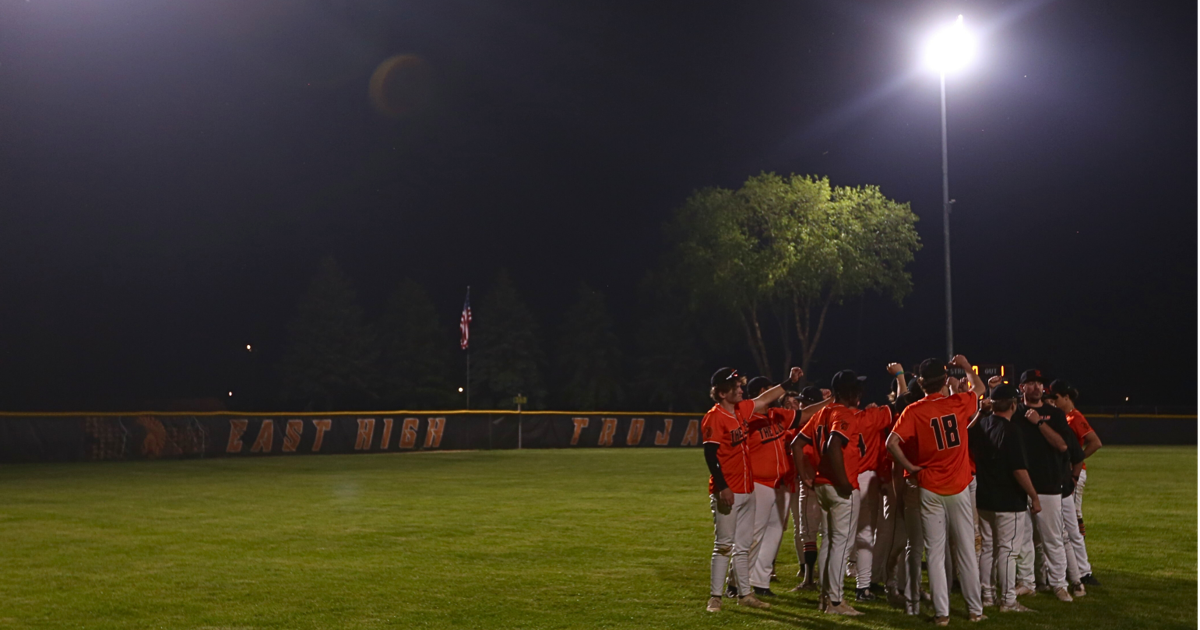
[171,172]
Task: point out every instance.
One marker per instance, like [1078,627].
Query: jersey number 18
[945,431]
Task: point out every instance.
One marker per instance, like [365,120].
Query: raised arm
[1048,432]
[769,396]
[965,365]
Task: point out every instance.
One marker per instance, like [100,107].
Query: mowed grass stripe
[532,539]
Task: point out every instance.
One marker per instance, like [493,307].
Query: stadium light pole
[948,50]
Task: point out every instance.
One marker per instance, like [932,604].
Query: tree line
[764,263]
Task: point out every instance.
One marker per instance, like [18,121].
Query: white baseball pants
[951,517]
[733,534]
[916,542]
[835,549]
[1026,552]
[1048,534]
[889,536]
[1001,533]
[1079,494]
[1073,543]
[771,507]
[806,517]
[868,514]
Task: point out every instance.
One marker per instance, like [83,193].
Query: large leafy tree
[416,352]
[780,251]
[507,357]
[330,358]
[589,361]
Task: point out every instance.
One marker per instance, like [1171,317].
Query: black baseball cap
[1004,391]
[932,368]
[846,382]
[758,385]
[1033,375]
[724,375]
[811,395]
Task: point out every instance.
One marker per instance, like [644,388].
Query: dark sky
[170,172]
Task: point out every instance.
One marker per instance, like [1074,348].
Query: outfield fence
[61,437]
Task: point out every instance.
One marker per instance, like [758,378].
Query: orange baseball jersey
[883,467]
[938,425]
[871,437]
[1079,426]
[770,460]
[842,420]
[729,433]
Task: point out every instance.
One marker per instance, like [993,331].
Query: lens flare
[401,86]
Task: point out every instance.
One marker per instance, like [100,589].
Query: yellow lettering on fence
[691,437]
[580,425]
[606,431]
[433,432]
[321,426]
[265,439]
[292,439]
[636,426]
[408,432]
[236,429]
[663,438]
[387,433]
[366,434]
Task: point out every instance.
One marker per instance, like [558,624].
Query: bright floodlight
[950,49]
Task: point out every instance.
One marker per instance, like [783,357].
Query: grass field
[519,539]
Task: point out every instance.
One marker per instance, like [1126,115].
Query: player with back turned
[725,428]
[933,432]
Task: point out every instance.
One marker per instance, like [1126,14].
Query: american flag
[464,323]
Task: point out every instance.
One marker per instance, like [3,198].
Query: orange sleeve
[906,426]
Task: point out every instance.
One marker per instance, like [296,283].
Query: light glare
[950,49]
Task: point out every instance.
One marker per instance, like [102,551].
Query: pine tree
[330,358]
[415,352]
[508,359]
[589,358]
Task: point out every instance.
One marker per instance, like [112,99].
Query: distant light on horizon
[248,348]
[230,393]
[460,390]
[950,49]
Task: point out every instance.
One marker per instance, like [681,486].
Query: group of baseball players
[985,481]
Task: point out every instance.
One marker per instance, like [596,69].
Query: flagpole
[464,326]
[468,378]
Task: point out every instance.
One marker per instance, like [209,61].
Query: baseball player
[874,425]
[725,428]
[1063,396]
[834,433]
[1051,451]
[890,538]
[806,511]
[1004,492]
[937,426]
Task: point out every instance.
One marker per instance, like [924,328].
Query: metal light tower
[947,51]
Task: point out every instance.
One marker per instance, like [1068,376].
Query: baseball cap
[724,375]
[811,395]
[1033,375]
[846,381]
[758,385]
[932,368]
[1004,391]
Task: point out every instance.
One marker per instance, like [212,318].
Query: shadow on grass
[1127,600]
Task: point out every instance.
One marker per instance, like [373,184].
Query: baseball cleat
[823,603]
[1062,594]
[1024,589]
[988,601]
[864,595]
[804,586]
[926,597]
[1015,607]
[912,608]
[750,601]
[714,603]
[941,621]
[731,591]
[1077,590]
[1090,580]
[876,587]
[1044,588]
[974,617]
[763,592]
[842,608]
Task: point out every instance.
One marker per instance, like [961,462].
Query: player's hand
[995,382]
[796,375]
[895,368]
[1033,416]
[827,393]
[913,470]
[985,407]
[961,362]
[1036,507]
[725,501]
